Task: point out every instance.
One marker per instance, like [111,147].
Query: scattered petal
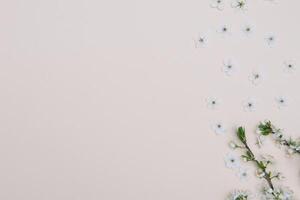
[229,67]
[218,4]
[219,128]
[239,4]
[247,29]
[250,105]
[256,77]
[212,103]
[271,39]
[200,41]
[281,101]
[289,66]
[224,30]
[231,161]
[243,174]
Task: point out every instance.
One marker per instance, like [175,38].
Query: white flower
[281,101]
[243,174]
[219,128]
[260,139]
[256,77]
[258,131]
[272,1]
[231,161]
[229,67]
[290,151]
[267,159]
[289,66]
[249,105]
[247,29]
[277,135]
[280,176]
[201,41]
[218,4]
[212,103]
[260,173]
[239,4]
[239,195]
[280,193]
[233,145]
[224,30]
[287,194]
[270,39]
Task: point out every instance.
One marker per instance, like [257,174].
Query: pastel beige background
[105,100]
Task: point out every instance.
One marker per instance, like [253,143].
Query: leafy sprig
[249,156]
[239,195]
[270,192]
[266,128]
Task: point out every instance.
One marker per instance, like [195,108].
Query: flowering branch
[249,156]
[262,169]
[267,128]
[239,195]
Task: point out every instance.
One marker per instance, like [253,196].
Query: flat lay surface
[119,100]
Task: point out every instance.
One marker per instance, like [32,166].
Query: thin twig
[266,176]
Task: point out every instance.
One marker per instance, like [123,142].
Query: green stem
[266,175]
[286,143]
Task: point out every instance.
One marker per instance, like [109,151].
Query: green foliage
[248,156]
[241,134]
[262,165]
[265,128]
[241,197]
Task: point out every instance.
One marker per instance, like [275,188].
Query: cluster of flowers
[270,191]
[202,39]
[250,104]
[239,195]
[256,77]
[233,162]
[230,66]
[280,193]
[236,4]
[266,128]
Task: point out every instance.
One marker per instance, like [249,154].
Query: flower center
[241,4]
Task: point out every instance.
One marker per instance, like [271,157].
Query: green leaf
[241,134]
[265,128]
